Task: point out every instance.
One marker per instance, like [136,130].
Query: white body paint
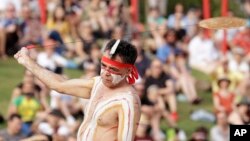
[115,78]
[124,100]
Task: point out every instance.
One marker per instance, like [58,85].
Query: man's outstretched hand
[22,56]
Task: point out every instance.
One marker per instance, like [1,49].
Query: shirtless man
[113,111]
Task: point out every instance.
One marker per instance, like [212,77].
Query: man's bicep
[76,87]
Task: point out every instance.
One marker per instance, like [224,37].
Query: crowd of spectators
[168,50]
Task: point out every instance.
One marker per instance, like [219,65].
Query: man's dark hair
[125,50]
[13,116]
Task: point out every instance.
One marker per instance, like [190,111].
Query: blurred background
[193,82]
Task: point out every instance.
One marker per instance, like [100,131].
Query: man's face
[53,120]
[156,68]
[10,11]
[15,125]
[222,119]
[112,75]
[28,87]
[171,38]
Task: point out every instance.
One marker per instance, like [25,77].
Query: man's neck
[122,84]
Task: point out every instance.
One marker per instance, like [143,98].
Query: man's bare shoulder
[132,96]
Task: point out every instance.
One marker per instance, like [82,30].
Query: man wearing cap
[113,111]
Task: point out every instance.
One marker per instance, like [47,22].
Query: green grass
[11,74]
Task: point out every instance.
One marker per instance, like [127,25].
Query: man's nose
[106,72]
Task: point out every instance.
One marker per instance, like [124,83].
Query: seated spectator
[53,124]
[57,41]
[59,23]
[39,92]
[158,38]
[64,103]
[159,110]
[240,115]
[68,105]
[184,80]
[118,32]
[13,131]
[151,46]
[90,70]
[238,65]
[200,134]
[150,110]
[155,17]
[10,27]
[203,55]
[28,25]
[191,19]
[27,78]
[220,132]
[87,39]
[223,70]
[177,19]
[51,60]
[165,84]
[240,69]
[93,58]
[159,104]
[97,13]
[242,40]
[224,99]
[27,106]
[168,48]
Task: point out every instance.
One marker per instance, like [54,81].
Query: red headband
[134,74]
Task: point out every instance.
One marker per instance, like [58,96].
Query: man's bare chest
[102,110]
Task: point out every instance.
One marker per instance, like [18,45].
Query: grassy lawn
[11,74]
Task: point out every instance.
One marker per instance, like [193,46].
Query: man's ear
[129,71]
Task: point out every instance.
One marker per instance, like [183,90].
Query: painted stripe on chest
[127,105]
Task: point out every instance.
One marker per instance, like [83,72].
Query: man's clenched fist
[22,56]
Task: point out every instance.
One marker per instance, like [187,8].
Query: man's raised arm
[74,87]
